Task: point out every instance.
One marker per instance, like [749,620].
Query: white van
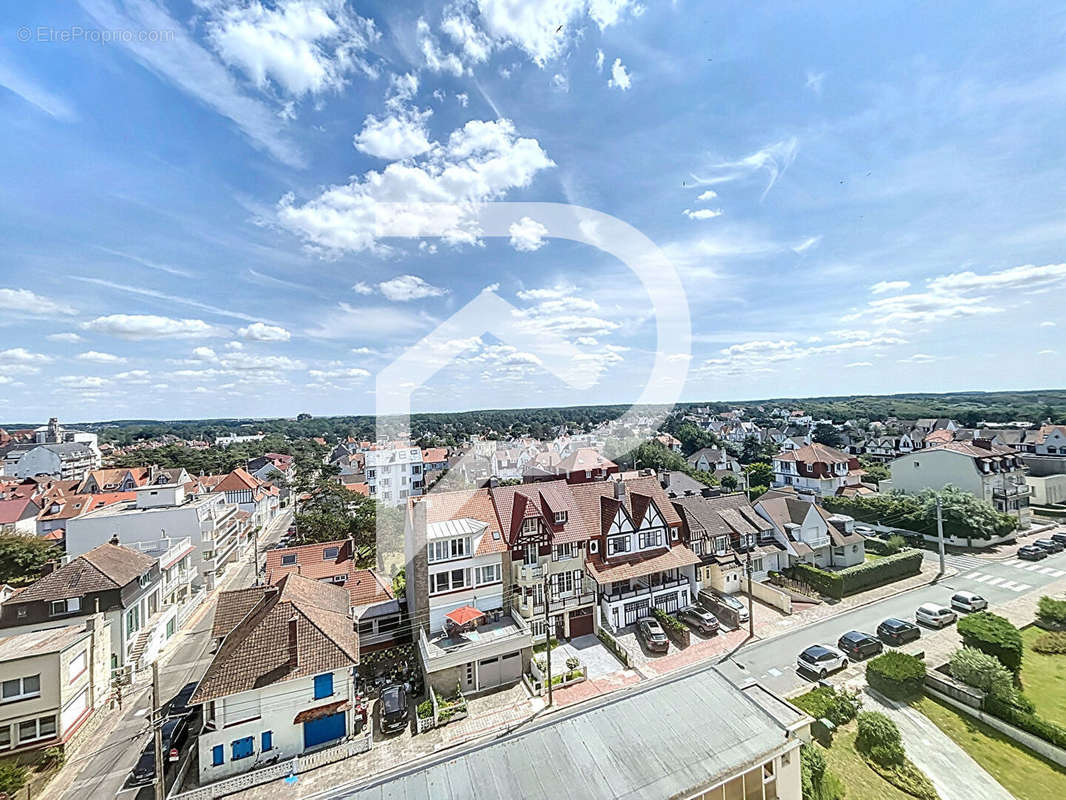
[934,615]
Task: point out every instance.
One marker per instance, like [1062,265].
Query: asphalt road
[104,766]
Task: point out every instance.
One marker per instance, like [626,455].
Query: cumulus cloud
[362,287]
[710,194]
[261,332]
[702,213]
[68,338]
[620,77]
[97,357]
[527,235]
[403,288]
[429,195]
[23,301]
[150,326]
[20,355]
[884,287]
[766,355]
[395,137]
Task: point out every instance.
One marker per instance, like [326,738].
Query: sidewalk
[955,775]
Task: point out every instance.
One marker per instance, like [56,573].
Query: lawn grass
[860,782]
[1044,679]
[1021,772]
[873,556]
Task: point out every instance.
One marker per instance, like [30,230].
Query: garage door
[325,729]
[667,602]
[488,673]
[634,611]
[581,623]
[511,667]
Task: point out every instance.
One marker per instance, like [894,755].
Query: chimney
[113,539]
[983,443]
[294,650]
[666,479]
[619,490]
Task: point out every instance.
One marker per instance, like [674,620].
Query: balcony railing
[530,572]
[645,589]
[817,542]
[1012,491]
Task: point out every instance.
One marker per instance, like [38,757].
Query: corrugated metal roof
[669,739]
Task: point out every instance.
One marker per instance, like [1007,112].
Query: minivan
[968,601]
[934,615]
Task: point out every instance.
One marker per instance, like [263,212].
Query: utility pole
[940,532]
[751,597]
[548,634]
[255,558]
[157,733]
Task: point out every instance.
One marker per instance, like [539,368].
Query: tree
[334,512]
[694,438]
[729,481]
[875,470]
[827,434]
[12,778]
[21,557]
[759,473]
[994,635]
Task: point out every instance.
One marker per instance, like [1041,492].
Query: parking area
[590,651]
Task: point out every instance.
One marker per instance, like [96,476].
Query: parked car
[821,659]
[934,615]
[1031,552]
[968,601]
[864,530]
[1049,545]
[725,606]
[395,709]
[653,634]
[178,706]
[858,645]
[1060,538]
[702,620]
[175,730]
[898,631]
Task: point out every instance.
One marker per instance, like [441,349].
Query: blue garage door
[322,730]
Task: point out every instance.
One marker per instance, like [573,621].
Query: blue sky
[856,199]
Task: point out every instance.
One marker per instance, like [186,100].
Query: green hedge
[839,707]
[852,580]
[1051,611]
[614,646]
[897,675]
[1019,718]
[885,547]
[995,635]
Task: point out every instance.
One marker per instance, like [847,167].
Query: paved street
[104,764]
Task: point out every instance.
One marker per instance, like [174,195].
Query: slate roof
[259,650]
[104,568]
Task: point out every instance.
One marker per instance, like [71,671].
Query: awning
[319,712]
[464,615]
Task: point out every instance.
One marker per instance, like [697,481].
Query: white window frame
[529,525]
[560,517]
[489,573]
[23,693]
[38,735]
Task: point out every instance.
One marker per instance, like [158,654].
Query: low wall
[952,541]
[1034,743]
[772,596]
[957,691]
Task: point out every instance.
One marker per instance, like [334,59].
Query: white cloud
[69,338]
[918,358]
[363,288]
[883,287]
[620,78]
[36,95]
[527,235]
[20,355]
[710,194]
[194,70]
[432,194]
[814,81]
[599,60]
[1047,324]
[24,301]
[337,372]
[260,332]
[150,326]
[561,82]
[474,42]
[300,46]
[806,244]
[463,99]
[1047,353]
[856,364]
[766,355]
[366,322]
[702,213]
[97,357]
[1029,278]
[773,159]
[436,59]
[409,287]
[83,381]
[395,137]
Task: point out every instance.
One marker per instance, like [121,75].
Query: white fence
[361,743]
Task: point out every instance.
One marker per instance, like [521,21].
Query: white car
[821,659]
[968,601]
[934,615]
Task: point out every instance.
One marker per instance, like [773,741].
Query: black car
[859,645]
[1060,538]
[1031,552]
[395,711]
[898,631]
[700,619]
[179,703]
[175,729]
[1049,545]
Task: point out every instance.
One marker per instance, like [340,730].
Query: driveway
[590,651]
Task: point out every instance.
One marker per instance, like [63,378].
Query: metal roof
[665,740]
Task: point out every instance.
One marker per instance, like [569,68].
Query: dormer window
[560,517]
[330,553]
[529,525]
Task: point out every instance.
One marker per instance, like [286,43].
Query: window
[242,748]
[487,574]
[217,755]
[721,544]
[21,688]
[40,728]
[618,544]
[449,581]
[650,539]
[560,517]
[443,550]
[5,737]
[330,553]
[563,551]
[78,664]
[594,546]
[529,525]
[288,559]
[266,741]
[323,685]
[756,565]
[68,606]
[696,546]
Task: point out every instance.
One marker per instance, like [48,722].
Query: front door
[324,729]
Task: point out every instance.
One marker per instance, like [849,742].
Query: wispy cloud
[774,160]
[170,298]
[30,91]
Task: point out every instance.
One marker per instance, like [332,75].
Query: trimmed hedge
[1048,731]
[885,547]
[897,675]
[995,635]
[861,577]
[1052,611]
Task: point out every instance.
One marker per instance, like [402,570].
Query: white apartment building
[394,475]
[158,512]
[991,472]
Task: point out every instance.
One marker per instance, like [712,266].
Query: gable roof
[311,561]
[585,459]
[813,453]
[105,567]
[16,510]
[597,505]
[726,514]
[540,500]
[295,629]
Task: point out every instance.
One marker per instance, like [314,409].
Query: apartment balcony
[817,542]
[500,636]
[528,573]
[1011,492]
[645,589]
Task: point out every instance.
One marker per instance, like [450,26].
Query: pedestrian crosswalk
[1025,569]
[1034,566]
[996,580]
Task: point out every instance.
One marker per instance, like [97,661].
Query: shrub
[1051,611]
[897,675]
[885,547]
[907,778]
[995,635]
[839,707]
[425,709]
[1051,643]
[670,623]
[982,671]
[877,573]
[1027,721]
[817,782]
[879,738]
[12,777]
[52,758]
[823,582]
[573,663]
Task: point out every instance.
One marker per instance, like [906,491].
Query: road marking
[971,575]
[1014,562]
[775,672]
[1008,585]
[983,578]
[1021,587]
[996,581]
[1031,567]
